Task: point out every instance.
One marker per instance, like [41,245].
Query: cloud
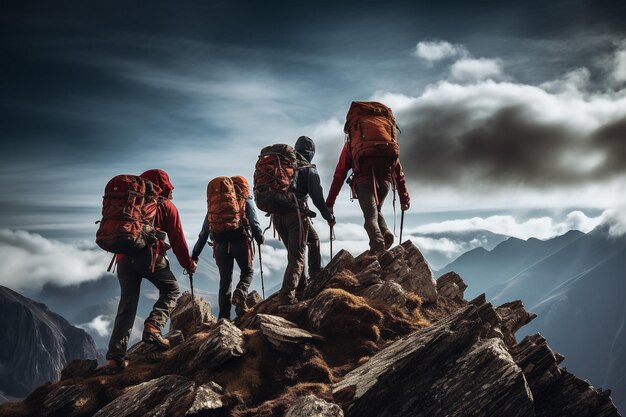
[539,227]
[618,70]
[436,50]
[100,324]
[30,260]
[472,69]
[615,219]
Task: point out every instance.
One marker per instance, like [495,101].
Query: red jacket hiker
[345,164]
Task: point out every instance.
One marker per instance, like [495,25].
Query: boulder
[439,368]
[207,398]
[147,352]
[342,261]
[182,317]
[452,286]
[70,401]
[513,316]
[79,368]
[224,342]
[389,292]
[311,406]
[253,299]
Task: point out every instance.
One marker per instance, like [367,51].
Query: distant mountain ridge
[36,344]
[576,284]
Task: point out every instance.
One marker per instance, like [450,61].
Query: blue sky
[506,108]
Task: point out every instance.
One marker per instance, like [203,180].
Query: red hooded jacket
[345,164]
[167,218]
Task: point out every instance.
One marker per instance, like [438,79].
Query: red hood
[161,180]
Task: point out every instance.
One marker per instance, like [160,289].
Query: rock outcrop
[36,344]
[371,337]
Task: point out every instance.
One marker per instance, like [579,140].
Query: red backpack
[275,175]
[224,209]
[371,135]
[129,207]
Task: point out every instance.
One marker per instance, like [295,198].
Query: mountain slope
[36,344]
[482,269]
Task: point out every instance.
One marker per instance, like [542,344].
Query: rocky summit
[372,336]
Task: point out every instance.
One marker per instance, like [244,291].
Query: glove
[192,267]
[405,207]
[260,239]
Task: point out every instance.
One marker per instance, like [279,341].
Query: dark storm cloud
[507,133]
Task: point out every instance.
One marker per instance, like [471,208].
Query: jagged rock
[207,397]
[370,274]
[147,352]
[149,398]
[37,344]
[452,286]
[342,261]
[340,313]
[224,341]
[182,317]
[70,401]
[439,369]
[513,316]
[311,406]
[275,320]
[556,391]
[389,292]
[253,299]
[79,368]
[346,280]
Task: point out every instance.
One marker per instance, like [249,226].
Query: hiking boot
[389,238]
[152,334]
[239,301]
[113,366]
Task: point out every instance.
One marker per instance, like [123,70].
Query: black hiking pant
[314,255]
[226,253]
[130,272]
[293,231]
[374,224]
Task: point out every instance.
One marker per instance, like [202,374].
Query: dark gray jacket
[308,182]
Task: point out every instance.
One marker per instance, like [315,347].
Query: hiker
[152,264]
[375,169]
[284,178]
[231,242]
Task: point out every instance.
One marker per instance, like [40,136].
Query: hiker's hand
[193,266]
[405,207]
[332,221]
[260,239]
[331,210]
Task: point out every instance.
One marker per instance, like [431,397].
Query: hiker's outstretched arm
[257,233]
[317,194]
[202,238]
[341,172]
[174,229]
[398,175]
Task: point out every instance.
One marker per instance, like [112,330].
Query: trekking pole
[401,225]
[261,264]
[332,237]
[193,299]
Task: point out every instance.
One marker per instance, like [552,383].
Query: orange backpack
[242,189]
[371,135]
[129,207]
[223,206]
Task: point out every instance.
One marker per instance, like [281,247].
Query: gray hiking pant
[130,272]
[226,253]
[294,233]
[375,224]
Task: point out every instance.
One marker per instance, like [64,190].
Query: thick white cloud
[618,72]
[436,50]
[540,227]
[475,69]
[100,324]
[30,260]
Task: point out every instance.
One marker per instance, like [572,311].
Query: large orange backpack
[371,135]
[275,176]
[242,189]
[129,207]
[223,206]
